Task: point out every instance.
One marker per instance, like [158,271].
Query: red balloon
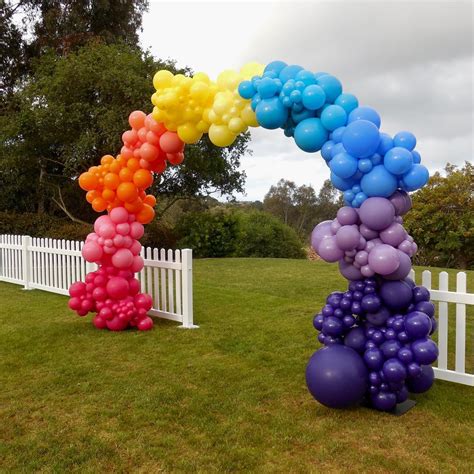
[171,143]
[137,119]
[117,288]
[149,152]
[130,137]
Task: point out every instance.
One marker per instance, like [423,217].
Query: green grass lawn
[230,396]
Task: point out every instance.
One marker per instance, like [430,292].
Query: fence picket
[170,272]
[156,289]
[443,313]
[460,359]
[178,283]
[163,305]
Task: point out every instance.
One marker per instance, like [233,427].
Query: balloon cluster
[312,109]
[119,185]
[192,106]
[387,324]
[368,241]
[122,181]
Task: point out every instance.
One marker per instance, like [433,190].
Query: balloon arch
[376,333]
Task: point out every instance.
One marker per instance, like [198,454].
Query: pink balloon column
[113,291]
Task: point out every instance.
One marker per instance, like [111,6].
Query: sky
[411,61]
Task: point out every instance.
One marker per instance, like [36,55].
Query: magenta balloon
[329,251]
[92,251]
[118,215]
[99,322]
[122,259]
[117,324]
[384,259]
[117,288]
[77,289]
[348,237]
[394,234]
[347,216]
[404,268]
[145,324]
[321,231]
[137,264]
[377,213]
[134,286]
[349,271]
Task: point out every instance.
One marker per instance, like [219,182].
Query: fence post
[25,260]
[187,274]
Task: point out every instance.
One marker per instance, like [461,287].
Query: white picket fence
[461,298]
[52,265]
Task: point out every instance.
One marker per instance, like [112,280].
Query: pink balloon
[123,258]
[99,294]
[127,241]
[117,288]
[92,252]
[118,240]
[99,323]
[143,301]
[77,289]
[136,247]
[100,221]
[87,305]
[123,228]
[136,230]
[118,215]
[116,324]
[145,324]
[134,285]
[106,313]
[74,303]
[137,264]
[107,231]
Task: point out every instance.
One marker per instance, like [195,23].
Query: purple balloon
[348,237]
[417,325]
[384,259]
[425,351]
[401,201]
[393,235]
[362,257]
[347,216]
[355,339]
[396,294]
[336,376]
[394,370]
[384,401]
[378,318]
[350,272]
[329,251]
[404,268]
[377,213]
[320,232]
[426,307]
[423,382]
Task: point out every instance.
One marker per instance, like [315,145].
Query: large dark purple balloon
[396,294]
[336,376]
[423,382]
[425,351]
[417,325]
[377,213]
[394,370]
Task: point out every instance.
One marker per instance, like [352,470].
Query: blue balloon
[336,136]
[317,75]
[310,134]
[314,97]
[386,143]
[307,77]
[338,148]
[347,101]
[333,117]
[255,101]
[405,140]
[376,159]
[360,197]
[331,86]
[304,114]
[416,157]
[361,138]
[270,74]
[246,89]
[300,85]
[349,196]
[365,165]
[271,113]
[296,96]
[267,88]
[365,113]
[288,87]
[415,178]
[326,150]
[340,183]
[275,66]
[289,72]
[398,160]
[379,182]
[343,165]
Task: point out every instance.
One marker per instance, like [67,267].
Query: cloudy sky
[412,61]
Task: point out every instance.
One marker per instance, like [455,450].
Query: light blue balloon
[267,88]
[405,140]
[333,117]
[288,87]
[331,86]
[306,76]
[343,165]
[271,113]
[365,165]
[337,148]
[286,101]
[365,113]
[416,157]
[386,143]
[296,97]
[289,72]
[304,114]
[336,135]
[360,197]
[415,178]
[379,182]
[347,101]
[314,97]
[376,159]
[398,160]
[310,135]
[326,150]
[270,74]
[317,75]
[361,138]
[300,85]
[255,101]
[356,189]
[297,107]
[275,66]
[340,183]
[246,90]
[349,196]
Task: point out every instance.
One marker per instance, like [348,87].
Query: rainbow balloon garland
[376,334]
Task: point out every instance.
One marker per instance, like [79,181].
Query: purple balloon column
[377,333]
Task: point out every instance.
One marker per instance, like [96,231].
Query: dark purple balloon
[417,325]
[378,318]
[374,359]
[390,348]
[394,370]
[401,202]
[377,213]
[355,339]
[332,326]
[420,293]
[405,355]
[336,376]
[425,351]
[423,382]
[426,307]
[414,369]
[384,401]
[371,303]
[396,294]
[318,321]
[348,271]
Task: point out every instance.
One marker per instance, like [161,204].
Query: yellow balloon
[199,91]
[248,116]
[220,135]
[189,133]
[202,126]
[162,79]
[237,125]
[201,77]
[228,79]
[252,69]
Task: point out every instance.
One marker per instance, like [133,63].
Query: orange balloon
[108,195]
[127,192]
[115,167]
[107,159]
[88,181]
[125,175]
[142,178]
[146,214]
[134,206]
[150,200]
[90,196]
[99,204]
[133,164]
[111,181]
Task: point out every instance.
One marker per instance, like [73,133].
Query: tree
[442,218]
[74,110]
[328,202]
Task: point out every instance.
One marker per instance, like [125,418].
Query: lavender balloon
[320,232]
[377,213]
[384,259]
